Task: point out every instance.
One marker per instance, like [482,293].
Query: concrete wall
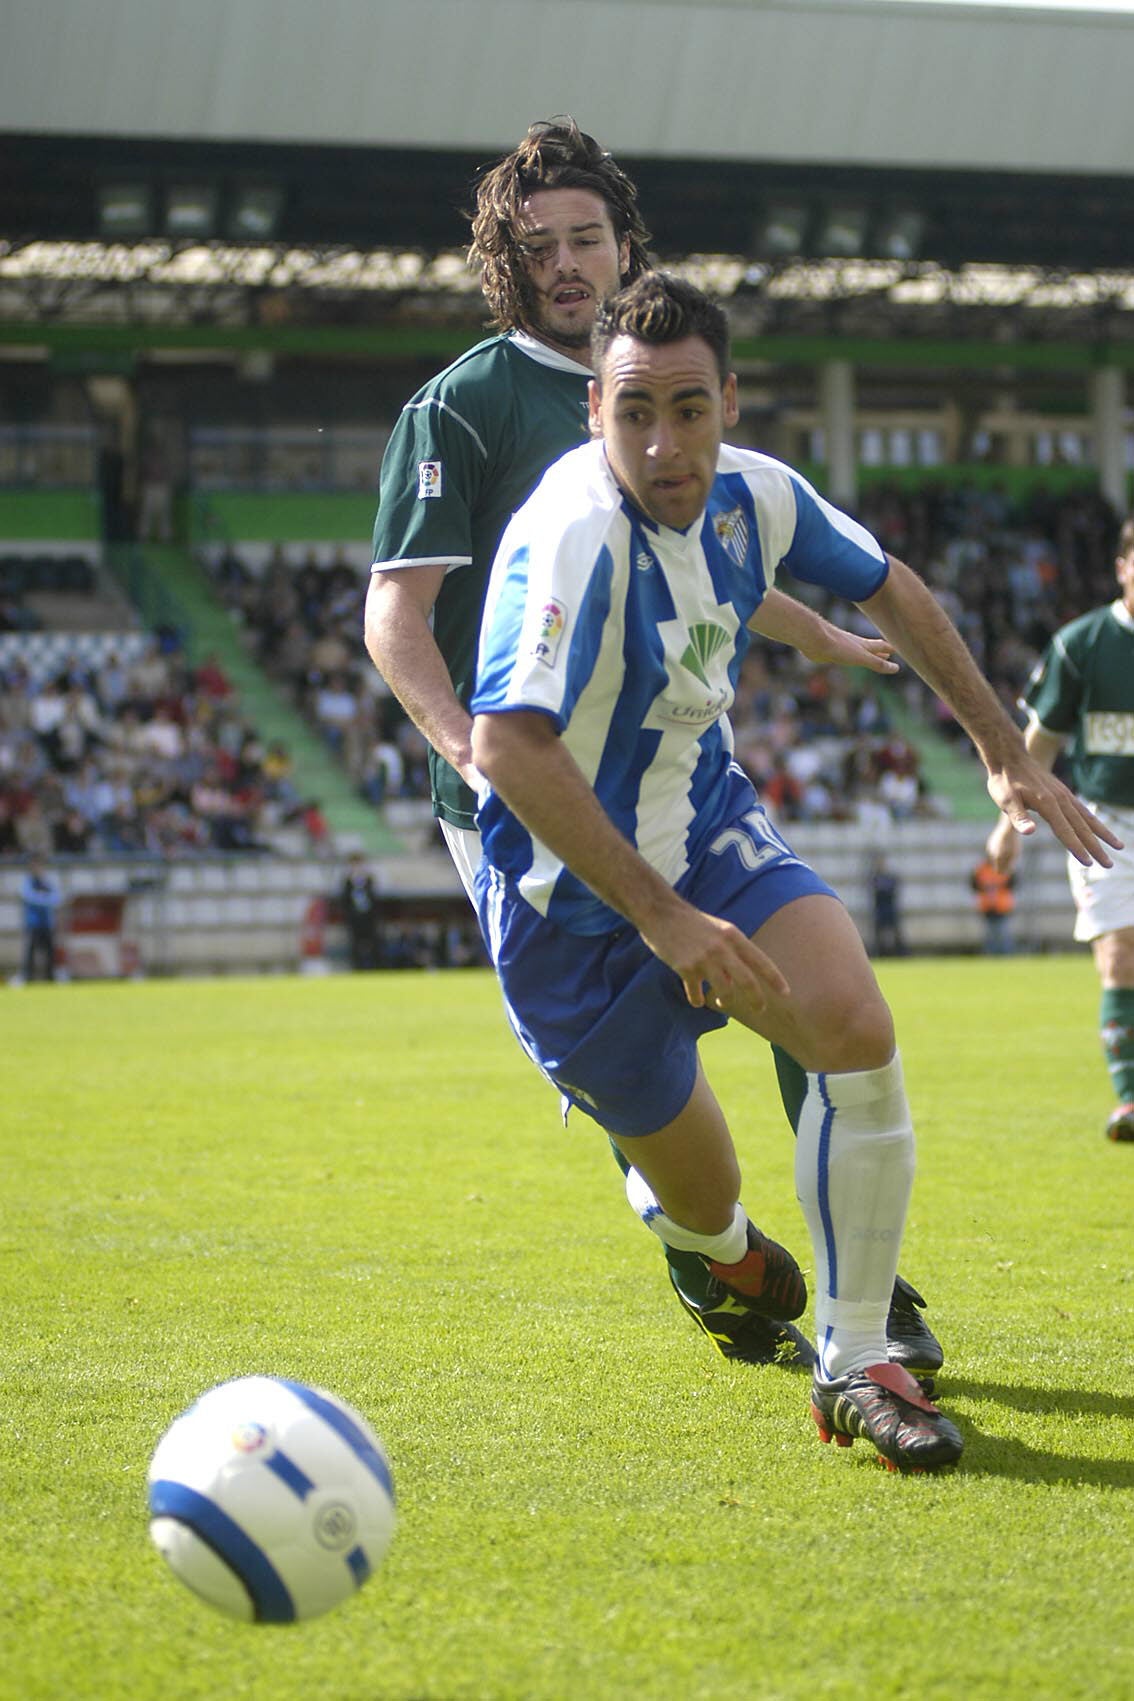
[247,914]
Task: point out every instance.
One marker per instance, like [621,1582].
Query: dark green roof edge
[411,341]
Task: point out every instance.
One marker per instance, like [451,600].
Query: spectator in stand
[335,707]
[995,893]
[161,736]
[72,835]
[360,905]
[155,502]
[315,824]
[888,939]
[40,897]
[150,677]
[122,833]
[211,679]
[48,705]
[9,838]
[79,729]
[329,656]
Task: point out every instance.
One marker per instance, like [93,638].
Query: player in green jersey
[556,228]
[1081,694]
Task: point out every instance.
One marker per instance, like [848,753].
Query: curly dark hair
[555,154]
[658,308]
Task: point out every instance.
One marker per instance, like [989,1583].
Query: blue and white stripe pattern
[217,1477]
[630,636]
[246,1559]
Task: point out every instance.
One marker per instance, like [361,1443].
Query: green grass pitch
[361,1182]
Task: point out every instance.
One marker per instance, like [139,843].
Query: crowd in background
[818,742]
[151,756]
[156,756]
[302,619]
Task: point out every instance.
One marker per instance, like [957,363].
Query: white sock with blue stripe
[728,1247]
[854,1167]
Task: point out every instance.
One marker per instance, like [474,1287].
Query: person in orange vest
[996,900]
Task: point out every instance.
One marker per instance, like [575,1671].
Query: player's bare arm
[907,613]
[1003,845]
[402,647]
[523,758]
[786,620]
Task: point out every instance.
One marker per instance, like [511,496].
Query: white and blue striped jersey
[631,636]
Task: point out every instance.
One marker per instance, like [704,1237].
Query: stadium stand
[190,422]
[163,767]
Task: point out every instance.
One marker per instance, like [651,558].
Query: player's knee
[852,1033]
[1114,956]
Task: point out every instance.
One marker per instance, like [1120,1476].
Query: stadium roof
[933,135]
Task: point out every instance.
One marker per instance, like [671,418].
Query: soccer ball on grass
[273,1501]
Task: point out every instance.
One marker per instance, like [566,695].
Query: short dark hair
[555,154]
[658,308]
[1126,536]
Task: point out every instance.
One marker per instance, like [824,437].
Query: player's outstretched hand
[1026,790]
[837,648]
[716,961]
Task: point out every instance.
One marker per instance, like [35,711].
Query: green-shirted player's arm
[905,611]
[402,648]
[786,620]
[1003,847]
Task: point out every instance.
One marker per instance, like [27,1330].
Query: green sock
[1116,1028]
[792,1078]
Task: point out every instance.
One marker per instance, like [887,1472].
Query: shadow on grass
[1005,1456]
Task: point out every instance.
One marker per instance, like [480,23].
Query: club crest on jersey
[732,531]
[429,479]
[549,630]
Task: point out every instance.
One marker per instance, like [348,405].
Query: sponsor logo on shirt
[643,561]
[1108,733]
[698,690]
[428,479]
[732,532]
[705,639]
[552,620]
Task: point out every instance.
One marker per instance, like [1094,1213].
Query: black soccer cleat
[767,1279]
[1120,1126]
[910,1342]
[746,1336]
[885,1406]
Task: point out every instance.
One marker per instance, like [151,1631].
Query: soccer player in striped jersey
[633,893]
[556,228]
[1081,694]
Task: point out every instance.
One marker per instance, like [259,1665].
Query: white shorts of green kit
[1104,897]
[464,848]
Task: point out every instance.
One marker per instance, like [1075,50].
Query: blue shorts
[607,1021]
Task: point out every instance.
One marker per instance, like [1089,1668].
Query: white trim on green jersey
[465,453]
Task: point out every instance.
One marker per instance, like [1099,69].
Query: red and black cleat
[767,1279]
[885,1406]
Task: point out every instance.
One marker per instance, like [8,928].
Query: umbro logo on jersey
[643,561]
[732,531]
[429,479]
